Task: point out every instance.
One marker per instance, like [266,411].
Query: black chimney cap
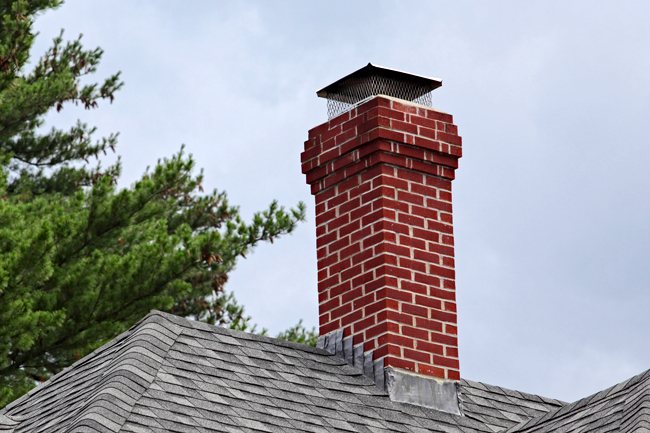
[374,80]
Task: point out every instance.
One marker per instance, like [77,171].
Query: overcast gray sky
[551,202]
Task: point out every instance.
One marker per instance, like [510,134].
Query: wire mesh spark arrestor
[371,80]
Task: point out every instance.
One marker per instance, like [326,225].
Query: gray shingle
[168,374]
[624,407]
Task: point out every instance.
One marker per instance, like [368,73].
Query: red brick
[339,289]
[414,287]
[352,295]
[338,222]
[362,256]
[396,294]
[415,310]
[391,361]
[448,340]
[404,126]
[432,114]
[350,250]
[391,114]
[448,262]
[386,349]
[380,261]
[376,284]
[426,256]
[440,249]
[364,324]
[451,352]
[369,306]
[432,348]
[401,318]
[363,278]
[353,317]
[361,234]
[429,325]
[420,334]
[397,271]
[442,294]
[449,306]
[407,108]
[429,302]
[331,304]
[338,245]
[442,272]
[445,362]
[446,217]
[430,370]
[341,311]
[427,132]
[373,240]
[329,282]
[423,121]
[443,316]
[451,329]
[398,340]
[351,273]
[392,204]
[427,279]
[339,266]
[394,182]
[411,220]
[398,228]
[409,175]
[337,200]
[450,138]
[414,265]
[398,250]
[410,198]
[329,327]
[412,241]
[375,331]
[416,355]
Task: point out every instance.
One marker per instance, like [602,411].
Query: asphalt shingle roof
[168,374]
[501,408]
[622,408]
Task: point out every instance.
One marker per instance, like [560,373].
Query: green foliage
[299,334]
[80,259]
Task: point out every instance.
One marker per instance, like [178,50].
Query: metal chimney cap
[373,80]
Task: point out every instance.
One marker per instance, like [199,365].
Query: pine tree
[80,259]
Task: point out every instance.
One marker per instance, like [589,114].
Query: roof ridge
[119,353]
[126,364]
[565,410]
[196,324]
[636,410]
[9,422]
[547,400]
[41,386]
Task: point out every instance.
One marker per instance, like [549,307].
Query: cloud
[551,206]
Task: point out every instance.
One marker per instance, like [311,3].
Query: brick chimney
[381,171]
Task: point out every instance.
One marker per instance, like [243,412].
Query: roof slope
[500,408]
[624,407]
[168,374]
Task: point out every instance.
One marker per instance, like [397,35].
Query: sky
[551,201]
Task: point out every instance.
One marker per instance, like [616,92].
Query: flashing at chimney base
[400,385]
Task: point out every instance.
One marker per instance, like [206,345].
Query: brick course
[381,175]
